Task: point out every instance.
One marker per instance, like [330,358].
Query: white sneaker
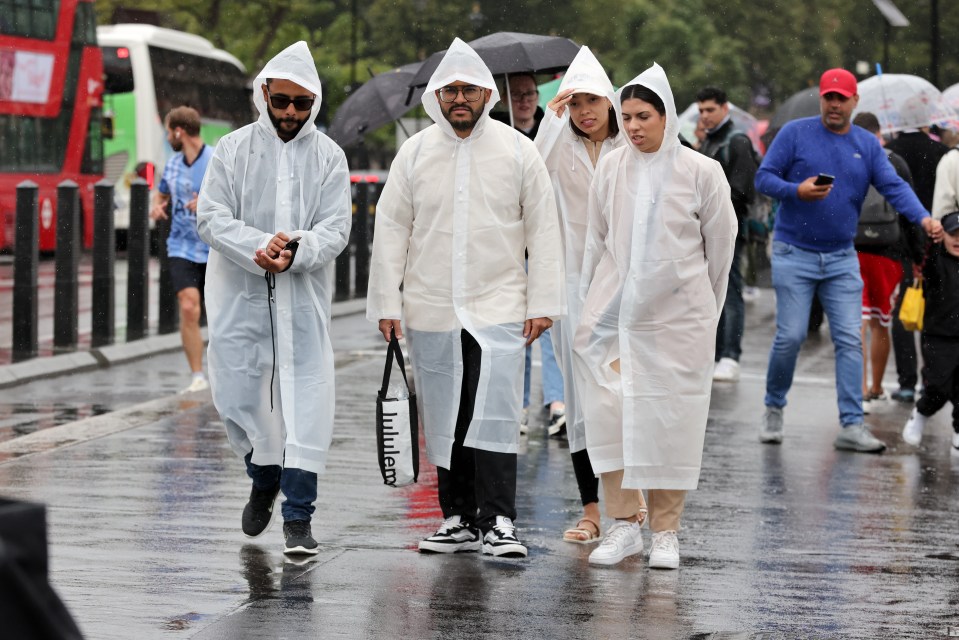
[727,370]
[912,432]
[664,554]
[873,401]
[622,540]
[524,422]
[198,384]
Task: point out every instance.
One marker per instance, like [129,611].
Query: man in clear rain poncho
[275,209]
[655,270]
[464,199]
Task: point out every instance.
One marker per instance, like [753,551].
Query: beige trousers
[665,505]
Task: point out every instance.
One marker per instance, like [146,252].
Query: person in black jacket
[734,151]
[922,154]
[940,335]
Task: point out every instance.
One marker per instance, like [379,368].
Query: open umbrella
[379,101]
[743,120]
[902,101]
[507,52]
[802,104]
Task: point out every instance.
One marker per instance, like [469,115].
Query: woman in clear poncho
[579,128]
[657,256]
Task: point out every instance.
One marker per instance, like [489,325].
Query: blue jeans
[298,487]
[729,333]
[799,274]
[552,376]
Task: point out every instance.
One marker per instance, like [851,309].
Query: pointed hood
[295,63]
[586,75]
[654,79]
[462,64]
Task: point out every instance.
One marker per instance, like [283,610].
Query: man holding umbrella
[813,251]
[465,197]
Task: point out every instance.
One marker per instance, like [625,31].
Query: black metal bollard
[66,286]
[25,269]
[169,309]
[104,261]
[138,261]
[361,239]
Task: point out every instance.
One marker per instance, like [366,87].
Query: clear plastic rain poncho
[452,225]
[655,270]
[571,171]
[257,185]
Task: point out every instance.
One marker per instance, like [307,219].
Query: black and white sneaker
[258,512]
[501,540]
[557,423]
[455,535]
[299,538]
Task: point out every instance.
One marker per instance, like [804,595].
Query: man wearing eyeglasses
[465,197]
[524,105]
[275,209]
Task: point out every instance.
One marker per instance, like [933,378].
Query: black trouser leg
[585,477]
[904,342]
[933,399]
[495,487]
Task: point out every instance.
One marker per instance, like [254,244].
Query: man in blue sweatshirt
[813,246]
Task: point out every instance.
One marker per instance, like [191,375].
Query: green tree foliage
[750,48]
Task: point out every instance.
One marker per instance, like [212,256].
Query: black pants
[585,477]
[479,485]
[940,374]
[904,342]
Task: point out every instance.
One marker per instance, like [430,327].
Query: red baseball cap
[838,81]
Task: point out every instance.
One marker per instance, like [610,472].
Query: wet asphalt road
[778,542]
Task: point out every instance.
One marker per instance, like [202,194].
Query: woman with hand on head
[579,128]
[655,269]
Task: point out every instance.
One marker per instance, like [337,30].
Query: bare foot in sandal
[586,531]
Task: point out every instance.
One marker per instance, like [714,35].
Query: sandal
[582,534]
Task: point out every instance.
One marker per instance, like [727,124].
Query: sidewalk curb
[41,368]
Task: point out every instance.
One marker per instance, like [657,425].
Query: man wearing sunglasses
[275,209]
[464,199]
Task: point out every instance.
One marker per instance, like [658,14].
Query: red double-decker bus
[51,82]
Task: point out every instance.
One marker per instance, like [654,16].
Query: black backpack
[878,221]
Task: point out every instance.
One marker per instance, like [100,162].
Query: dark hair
[613,125]
[186,118]
[712,93]
[867,121]
[639,92]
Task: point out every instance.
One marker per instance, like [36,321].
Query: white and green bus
[148,71]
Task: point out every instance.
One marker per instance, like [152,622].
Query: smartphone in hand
[824,179]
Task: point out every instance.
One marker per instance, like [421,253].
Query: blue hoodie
[805,148]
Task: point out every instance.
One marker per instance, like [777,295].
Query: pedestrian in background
[527,116]
[466,197]
[186,251]
[922,155]
[940,336]
[579,129]
[813,251]
[276,212]
[733,150]
[660,241]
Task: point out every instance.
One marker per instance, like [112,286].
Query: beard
[177,145]
[464,125]
[286,134]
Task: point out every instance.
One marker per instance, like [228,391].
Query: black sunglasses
[300,103]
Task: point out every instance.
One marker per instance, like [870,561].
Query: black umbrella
[508,52]
[381,100]
[799,105]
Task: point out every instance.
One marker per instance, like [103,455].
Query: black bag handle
[391,351]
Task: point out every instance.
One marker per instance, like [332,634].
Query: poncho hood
[586,75]
[461,64]
[654,79]
[295,63]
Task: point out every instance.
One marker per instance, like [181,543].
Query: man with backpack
[883,240]
[734,151]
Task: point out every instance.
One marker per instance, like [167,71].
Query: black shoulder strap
[393,351]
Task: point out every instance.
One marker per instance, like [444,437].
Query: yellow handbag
[913,307]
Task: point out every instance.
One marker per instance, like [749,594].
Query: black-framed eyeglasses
[300,103]
[526,95]
[471,93]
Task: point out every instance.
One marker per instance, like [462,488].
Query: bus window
[34,19]
[117,70]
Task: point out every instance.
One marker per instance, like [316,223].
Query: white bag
[397,426]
